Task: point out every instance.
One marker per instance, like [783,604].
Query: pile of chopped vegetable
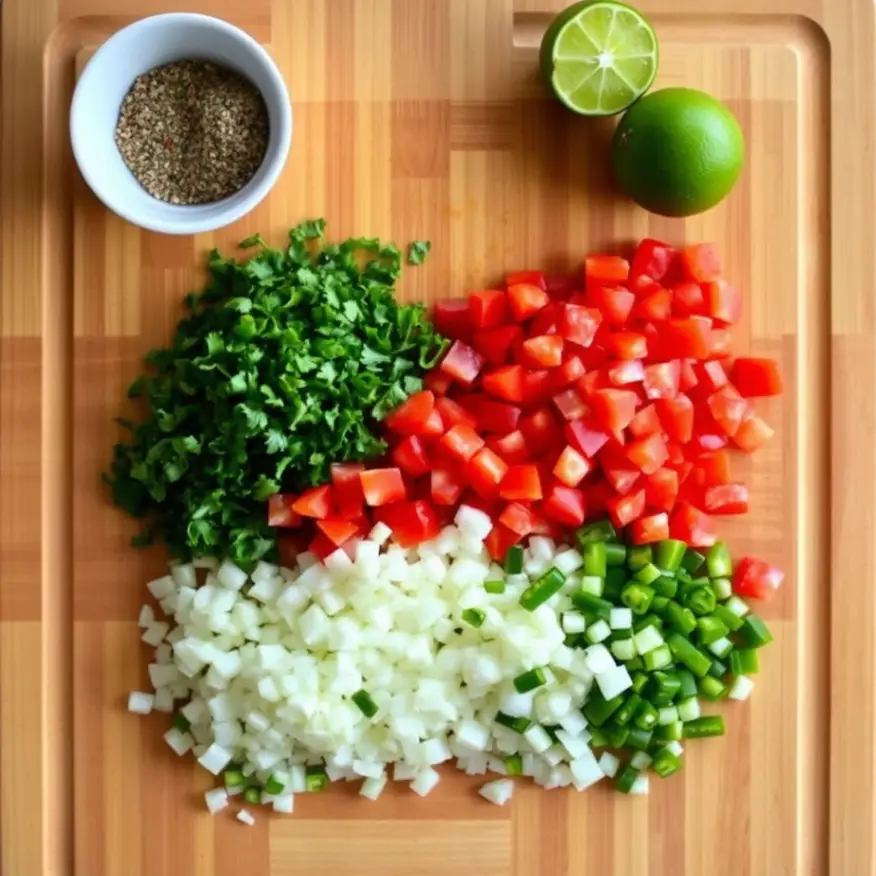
[286,362]
[528,581]
[384,658]
[564,399]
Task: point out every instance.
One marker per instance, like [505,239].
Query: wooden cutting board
[424,118]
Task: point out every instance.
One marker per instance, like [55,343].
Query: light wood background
[423,118]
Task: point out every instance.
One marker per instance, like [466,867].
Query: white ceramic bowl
[106,80]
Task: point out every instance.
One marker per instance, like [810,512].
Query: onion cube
[372,788]
[425,781]
[598,659]
[647,639]
[245,817]
[614,681]
[609,764]
[538,738]
[585,771]
[178,741]
[284,803]
[162,587]
[473,734]
[640,785]
[620,619]
[498,792]
[230,576]
[742,688]
[146,617]
[155,633]
[140,703]
[568,561]
[380,532]
[215,759]
[473,522]
[216,799]
[184,575]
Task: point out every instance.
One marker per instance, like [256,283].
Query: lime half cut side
[599,57]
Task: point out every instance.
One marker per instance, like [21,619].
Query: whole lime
[678,152]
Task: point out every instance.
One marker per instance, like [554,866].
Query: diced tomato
[626,373]
[496,344]
[723,302]
[700,262]
[322,546]
[597,494]
[411,457]
[688,299]
[619,471]
[511,447]
[533,278]
[543,351]
[280,511]
[662,379]
[688,338]
[579,324]
[447,483]
[646,422]
[486,471]
[461,442]
[756,377]
[490,415]
[537,386]
[614,303]
[752,433]
[518,518]
[411,416]
[505,382]
[348,488]
[652,259]
[687,375]
[625,509]
[629,345]
[756,579]
[526,300]
[499,541]
[728,409]
[647,530]
[572,467]
[571,370]
[316,502]
[521,483]
[565,505]
[586,436]
[453,413]
[546,320]
[654,307]
[438,382]
[541,430]
[726,499]
[711,375]
[661,489]
[452,318]
[412,523]
[488,307]
[720,344]
[591,381]
[713,468]
[382,486]
[434,426]
[677,417]
[648,454]
[614,408]
[570,404]
[462,363]
[692,526]
[606,269]
[336,530]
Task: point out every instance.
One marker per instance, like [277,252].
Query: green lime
[678,152]
[599,56]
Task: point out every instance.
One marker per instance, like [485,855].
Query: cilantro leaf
[284,363]
[418,251]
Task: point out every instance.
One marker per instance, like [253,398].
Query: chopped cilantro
[418,251]
[284,363]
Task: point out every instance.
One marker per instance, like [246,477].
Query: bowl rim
[251,193]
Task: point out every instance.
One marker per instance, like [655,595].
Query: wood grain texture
[423,118]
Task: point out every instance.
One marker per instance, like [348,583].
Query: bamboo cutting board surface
[424,118]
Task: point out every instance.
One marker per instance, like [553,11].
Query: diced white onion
[498,792]
[425,781]
[609,764]
[741,688]
[245,817]
[140,703]
[216,799]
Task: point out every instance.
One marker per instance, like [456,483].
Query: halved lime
[599,56]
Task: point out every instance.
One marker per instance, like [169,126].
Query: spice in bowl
[192,132]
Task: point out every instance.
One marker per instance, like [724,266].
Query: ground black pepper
[192,132]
